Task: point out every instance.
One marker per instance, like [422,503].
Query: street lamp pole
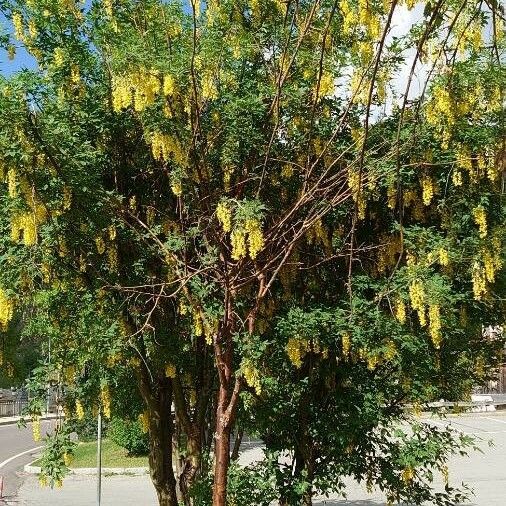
[99,457]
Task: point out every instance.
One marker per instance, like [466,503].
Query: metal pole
[48,383]
[99,458]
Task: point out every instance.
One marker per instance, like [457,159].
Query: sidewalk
[80,490]
[7,420]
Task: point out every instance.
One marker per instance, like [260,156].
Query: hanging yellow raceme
[138,89]
[346,344]
[79,410]
[105,400]
[252,375]
[36,428]
[480,218]
[238,241]
[479,281]
[296,348]
[417,297]
[144,422]
[224,215]
[6,310]
[170,370]
[427,190]
[435,325]
[255,237]
[400,311]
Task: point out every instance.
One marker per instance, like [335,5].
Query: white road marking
[10,459]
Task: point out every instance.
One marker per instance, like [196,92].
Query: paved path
[14,441]
[486,473]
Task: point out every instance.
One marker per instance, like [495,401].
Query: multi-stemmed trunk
[158,400]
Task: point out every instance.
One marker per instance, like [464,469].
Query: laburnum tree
[283,211]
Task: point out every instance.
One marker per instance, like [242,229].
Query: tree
[172,173]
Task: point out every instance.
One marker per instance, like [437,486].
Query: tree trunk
[221,449]
[237,444]
[158,400]
[191,466]
[161,430]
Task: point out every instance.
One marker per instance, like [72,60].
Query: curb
[92,471]
[15,420]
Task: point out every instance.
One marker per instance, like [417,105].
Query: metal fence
[497,385]
[12,407]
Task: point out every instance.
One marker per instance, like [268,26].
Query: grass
[85,455]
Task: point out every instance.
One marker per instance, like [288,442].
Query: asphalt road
[484,472]
[12,442]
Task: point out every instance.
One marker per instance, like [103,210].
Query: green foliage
[240,199]
[129,435]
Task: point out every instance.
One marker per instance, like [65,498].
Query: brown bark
[157,395]
[161,430]
[221,449]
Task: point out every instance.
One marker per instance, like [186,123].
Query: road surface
[14,441]
[484,472]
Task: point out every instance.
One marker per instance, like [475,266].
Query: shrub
[129,435]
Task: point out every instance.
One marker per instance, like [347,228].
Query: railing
[12,408]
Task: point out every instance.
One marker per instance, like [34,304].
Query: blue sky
[23,59]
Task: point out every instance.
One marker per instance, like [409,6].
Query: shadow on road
[366,502]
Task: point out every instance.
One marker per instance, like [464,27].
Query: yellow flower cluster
[12,183]
[36,428]
[210,327]
[346,344]
[112,257]
[100,244]
[427,190]
[444,259]
[440,107]
[255,237]
[435,325]
[224,215]
[144,422]
[170,370]
[480,218]
[198,328]
[400,311]
[137,89]
[67,459]
[24,225]
[407,475]
[250,230]
[357,193]
[165,146]
[17,22]
[457,177]
[79,410]
[326,87]
[209,89]
[296,348]
[479,281]
[252,375]
[169,85]
[369,19]
[350,17]
[417,297]
[105,399]
[492,260]
[238,240]
[6,310]
[108,7]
